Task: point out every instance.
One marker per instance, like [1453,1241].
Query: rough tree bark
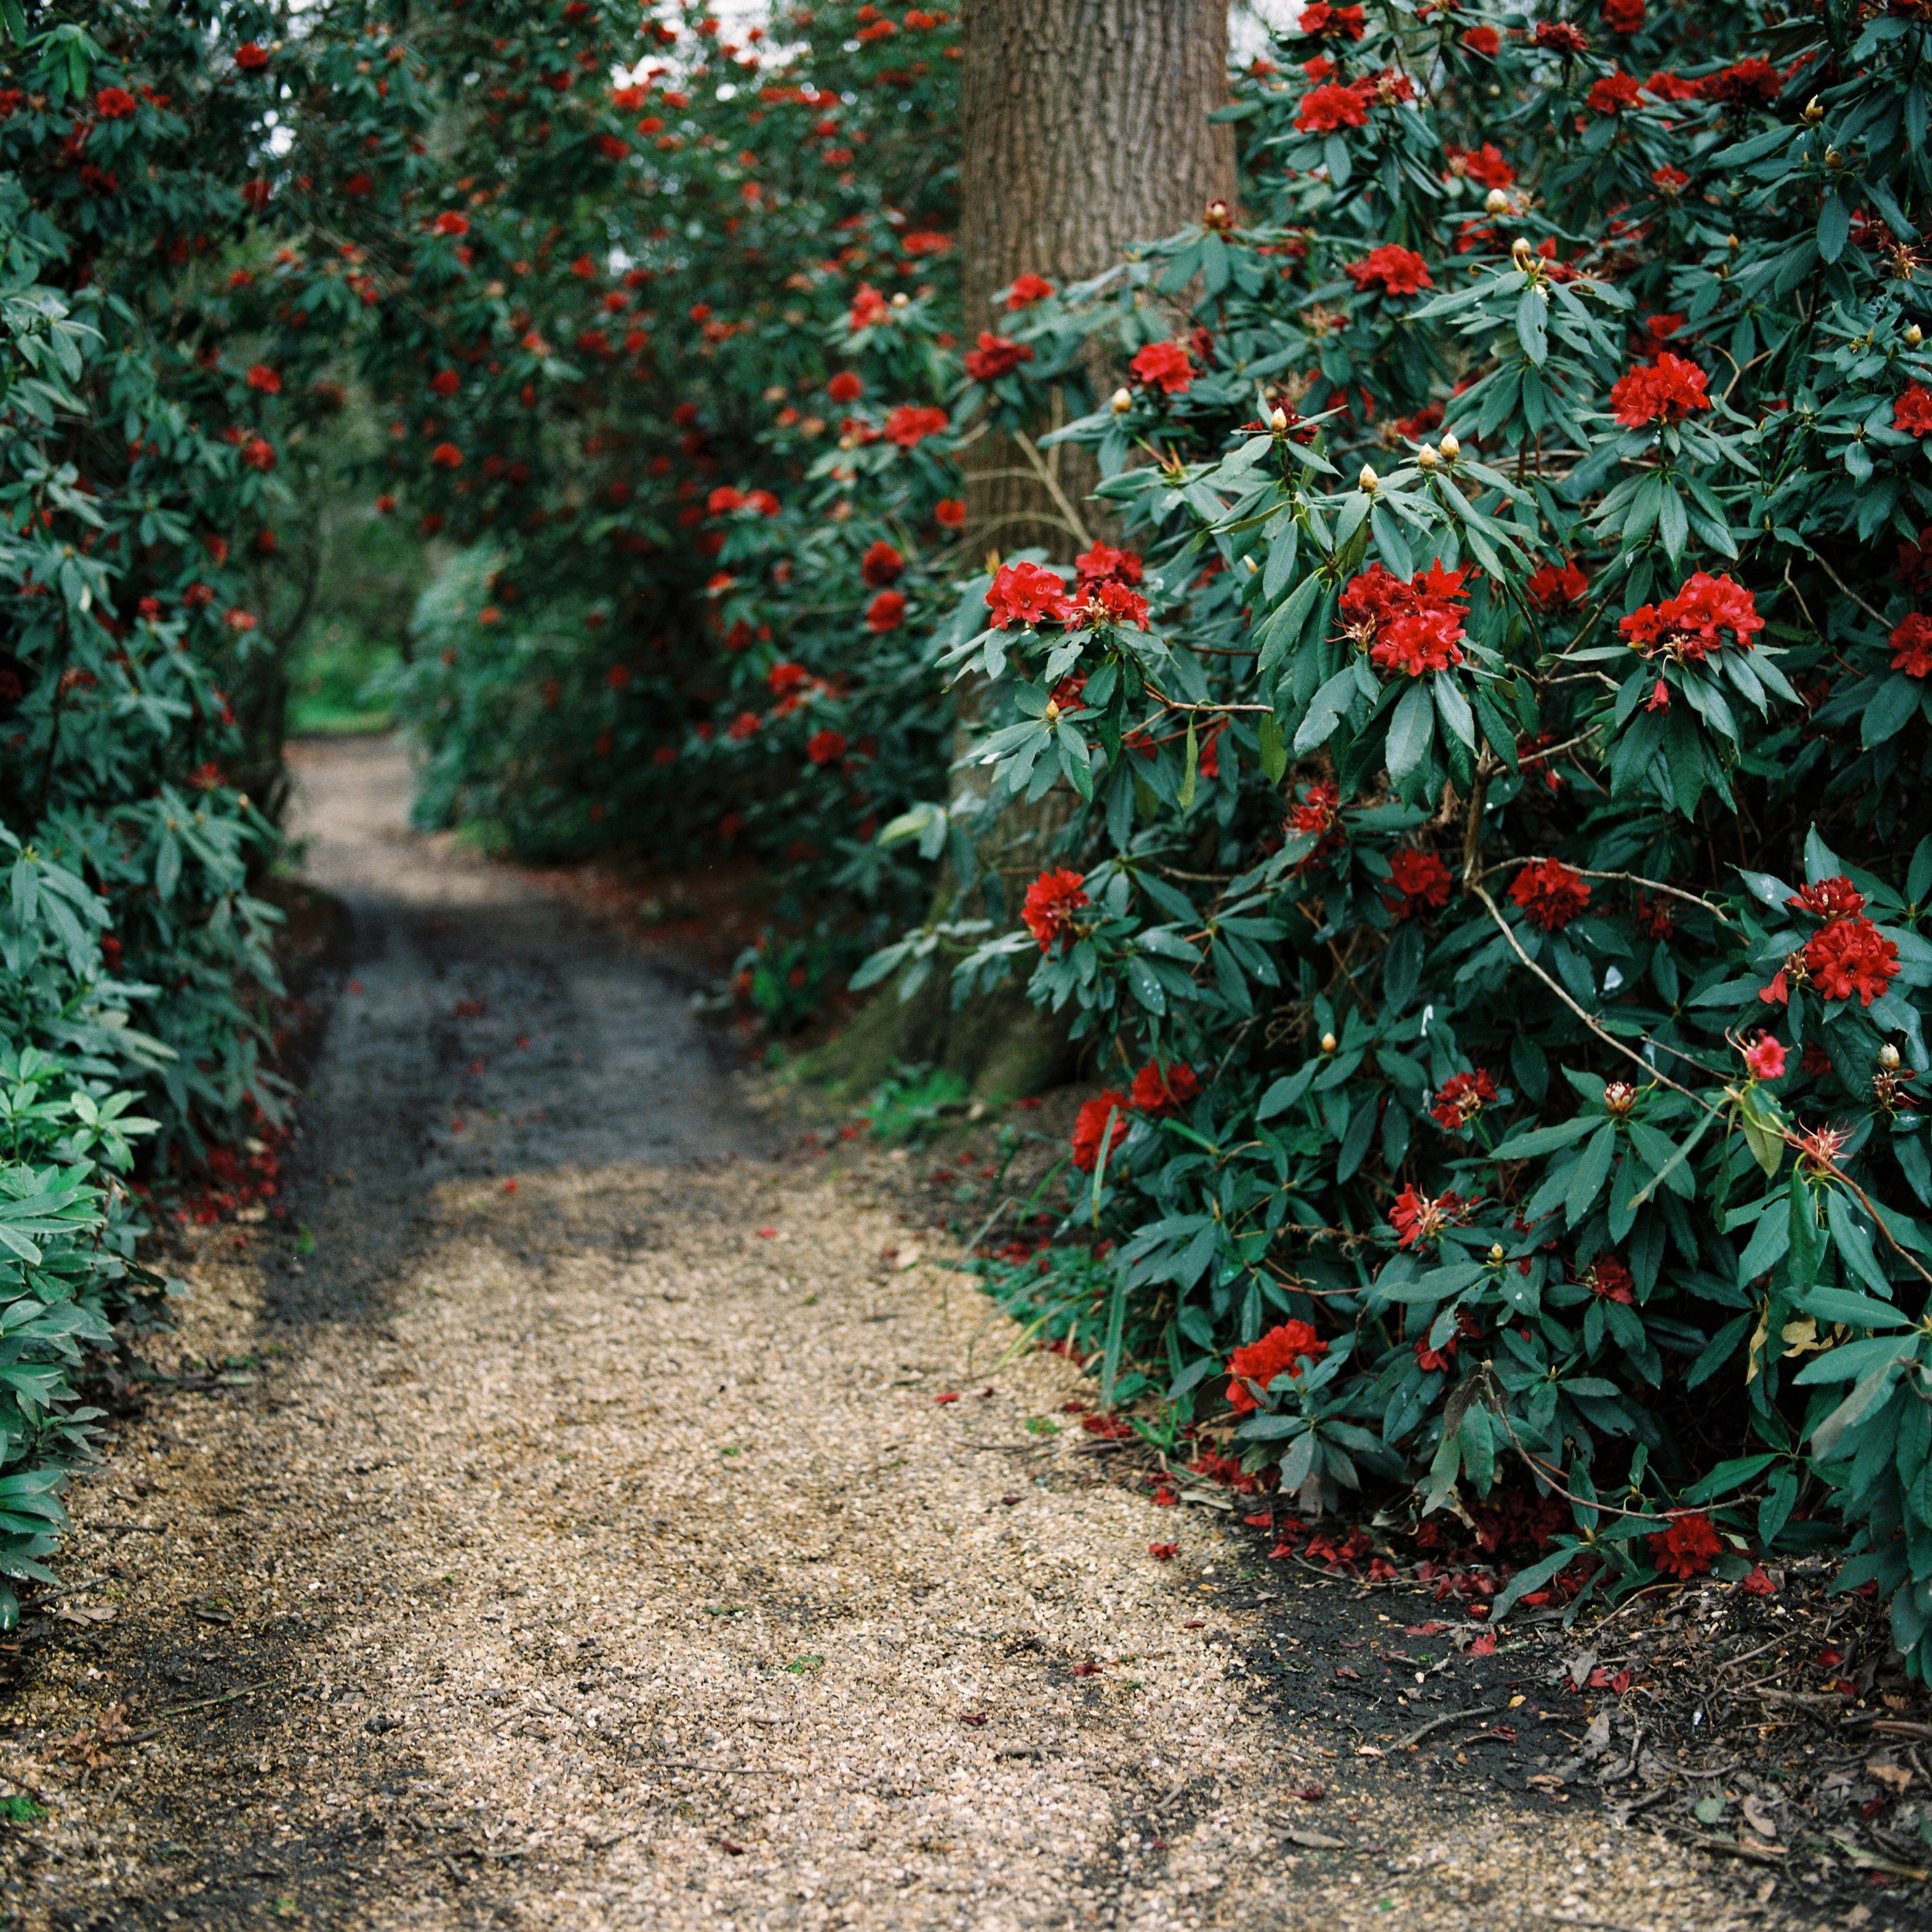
[1084,126]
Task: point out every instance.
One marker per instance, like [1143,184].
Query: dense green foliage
[1495,905]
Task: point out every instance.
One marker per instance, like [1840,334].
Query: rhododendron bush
[1493,706]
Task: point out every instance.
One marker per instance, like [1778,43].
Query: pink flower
[1765,1057]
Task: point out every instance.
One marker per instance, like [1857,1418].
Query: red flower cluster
[1091,1128]
[1460,1098]
[1614,92]
[1028,593]
[1398,270]
[1748,83]
[1623,16]
[846,387]
[1281,1351]
[1559,36]
[113,103]
[1334,23]
[1052,900]
[1912,412]
[1166,366]
[1851,956]
[1327,109]
[1027,290]
[997,355]
[1912,646]
[1688,1548]
[1103,562]
[1553,588]
[881,565]
[910,425]
[1485,166]
[1158,1090]
[1691,625]
[885,612]
[1415,627]
[1422,879]
[1665,391]
[1549,893]
[825,747]
[1419,1218]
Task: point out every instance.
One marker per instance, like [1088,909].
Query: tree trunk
[1085,127]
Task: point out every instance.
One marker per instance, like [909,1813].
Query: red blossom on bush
[997,355]
[265,379]
[1285,1350]
[1090,1127]
[1051,902]
[1113,603]
[845,387]
[910,424]
[114,104]
[1460,1098]
[1695,623]
[1559,36]
[1422,881]
[1850,957]
[1027,290]
[1398,270]
[1158,1090]
[1485,42]
[825,747]
[1336,23]
[1419,1219]
[1754,82]
[1549,893]
[1688,1548]
[1163,366]
[1665,391]
[1623,16]
[950,513]
[882,564]
[1326,110]
[1765,1058]
[1415,627]
[1555,587]
[1912,411]
[885,612]
[1028,593]
[447,456]
[1485,166]
[1610,1281]
[1912,645]
[251,56]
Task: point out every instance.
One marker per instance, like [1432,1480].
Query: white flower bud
[1520,252]
[1426,456]
[1913,336]
[1451,448]
[1123,401]
[1278,418]
[1368,480]
[1496,201]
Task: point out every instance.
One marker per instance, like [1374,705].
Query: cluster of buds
[1432,454]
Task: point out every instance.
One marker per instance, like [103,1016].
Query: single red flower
[1027,290]
[265,379]
[997,355]
[1163,1552]
[251,56]
[1419,1218]
[1623,16]
[1422,879]
[825,747]
[1028,593]
[1335,23]
[1485,42]
[1765,1057]
[452,221]
[950,513]
[1111,602]
[845,387]
[885,612]
[1665,391]
[1091,1126]
[1669,181]
[882,565]
[1912,645]
[114,104]
[1163,366]
[1158,1090]
[1610,1281]
[1549,893]
[1851,956]
[1460,1098]
[1688,1548]
[1485,166]
[1398,271]
[1282,1351]
[1051,902]
[1103,562]
[447,456]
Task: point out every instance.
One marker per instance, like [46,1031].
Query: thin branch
[1846,588]
[1052,487]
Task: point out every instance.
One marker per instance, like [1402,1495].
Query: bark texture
[1085,127]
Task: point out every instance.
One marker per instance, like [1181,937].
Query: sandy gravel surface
[577,1537]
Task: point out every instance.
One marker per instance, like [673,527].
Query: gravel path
[584,1533]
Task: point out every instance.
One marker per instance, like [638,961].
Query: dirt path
[583,1534]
